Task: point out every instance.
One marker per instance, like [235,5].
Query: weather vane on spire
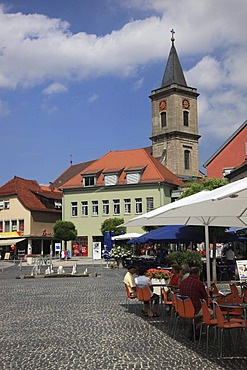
[173,38]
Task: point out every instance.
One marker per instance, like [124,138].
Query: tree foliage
[194,187]
[188,257]
[64,230]
[111,224]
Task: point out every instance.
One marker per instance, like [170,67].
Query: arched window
[186,118]
[186,159]
[163,119]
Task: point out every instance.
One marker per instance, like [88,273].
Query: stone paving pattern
[83,323]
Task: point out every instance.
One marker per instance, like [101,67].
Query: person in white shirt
[141,280]
[129,280]
[230,256]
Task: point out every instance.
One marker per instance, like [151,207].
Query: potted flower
[29,258]
[119,252]
[158,275]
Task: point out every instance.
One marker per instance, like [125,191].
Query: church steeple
[173,72]
[174,120]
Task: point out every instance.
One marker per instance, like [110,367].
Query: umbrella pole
[207,255]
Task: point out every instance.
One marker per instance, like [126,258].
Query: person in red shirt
[194,288]
[176,278]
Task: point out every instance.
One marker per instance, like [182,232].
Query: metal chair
[226,325]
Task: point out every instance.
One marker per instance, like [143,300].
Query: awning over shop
[11,241]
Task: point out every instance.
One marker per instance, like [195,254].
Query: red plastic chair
[207,321]
[226,325]
[166,301]
[144,294]
[129,297]
[185,310]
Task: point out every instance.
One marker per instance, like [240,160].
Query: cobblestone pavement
[83,323]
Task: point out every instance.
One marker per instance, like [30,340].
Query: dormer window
[133,175]
[89,180]
[111,179]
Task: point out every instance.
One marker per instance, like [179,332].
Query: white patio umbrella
[126,236]
[225,206]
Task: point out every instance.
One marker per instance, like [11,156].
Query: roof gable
[31,194]
[234,135]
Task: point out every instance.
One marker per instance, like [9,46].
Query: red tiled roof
[153,170]
[29,193]
[72,171]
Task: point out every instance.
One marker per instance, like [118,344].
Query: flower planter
[29,260]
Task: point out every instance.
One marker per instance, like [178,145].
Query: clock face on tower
[162,105]
[186,104]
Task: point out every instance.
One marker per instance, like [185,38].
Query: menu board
[242,269]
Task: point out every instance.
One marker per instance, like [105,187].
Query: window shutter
[110,179]
[133,178]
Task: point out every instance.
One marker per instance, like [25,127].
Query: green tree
[111,224]
[64,230]
[194,187]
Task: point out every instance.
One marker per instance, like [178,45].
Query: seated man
[129,280]
[195,289]
[141,280]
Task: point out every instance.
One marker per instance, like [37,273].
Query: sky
[76,76]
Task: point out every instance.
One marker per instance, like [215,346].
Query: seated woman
[176,278]
[141,280]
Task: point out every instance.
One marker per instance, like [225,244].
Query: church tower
[174,121]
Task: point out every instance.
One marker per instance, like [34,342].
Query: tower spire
[173,72]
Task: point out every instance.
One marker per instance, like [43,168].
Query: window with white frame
[74,209]
[127,206]
[105,207]
[84,208]
[21,225]
[95,208]
[89,180]
[150,203]
[138,202]
[13,225]
[1,204]
[116,206]
[6,226]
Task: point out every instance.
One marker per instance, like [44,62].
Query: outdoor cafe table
[232,306]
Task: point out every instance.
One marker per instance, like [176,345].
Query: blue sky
[76,75]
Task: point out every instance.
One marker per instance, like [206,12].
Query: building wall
[230,156]
[89,226]
[17,212]
[41,221]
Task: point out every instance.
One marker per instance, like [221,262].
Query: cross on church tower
[172,32]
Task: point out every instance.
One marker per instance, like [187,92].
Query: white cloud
[93,98]
[210,39]
[55,88]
